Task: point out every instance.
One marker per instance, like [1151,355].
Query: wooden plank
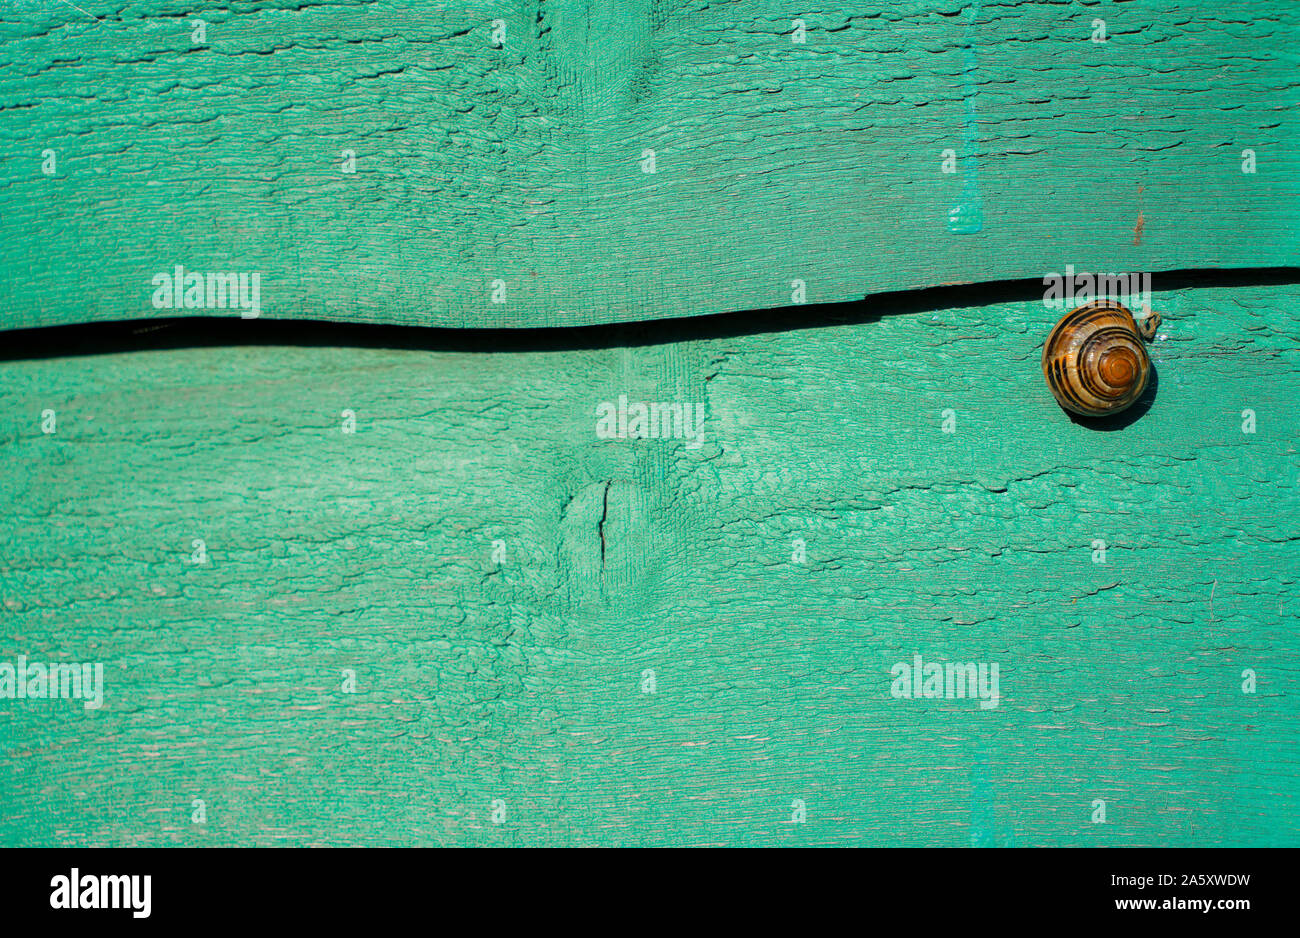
[522,681]
[776,161]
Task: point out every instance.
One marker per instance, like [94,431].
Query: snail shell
[1094,359]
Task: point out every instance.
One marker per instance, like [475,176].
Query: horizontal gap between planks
[101,338]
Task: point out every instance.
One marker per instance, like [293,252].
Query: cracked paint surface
[775,160]
[476,681]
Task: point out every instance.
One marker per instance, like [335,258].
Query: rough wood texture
[522,682]
[775,160]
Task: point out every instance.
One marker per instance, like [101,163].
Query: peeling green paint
[513,681]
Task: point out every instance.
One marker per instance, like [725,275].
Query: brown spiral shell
[1095,361]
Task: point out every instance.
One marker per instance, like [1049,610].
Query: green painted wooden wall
[775,160]
[523,681]
[560,639]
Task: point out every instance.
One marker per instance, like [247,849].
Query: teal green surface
[774,160]
[523,682]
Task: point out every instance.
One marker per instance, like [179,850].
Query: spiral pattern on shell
[1095,361]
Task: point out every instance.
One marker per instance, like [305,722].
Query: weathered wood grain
[775,161]
[523,681]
